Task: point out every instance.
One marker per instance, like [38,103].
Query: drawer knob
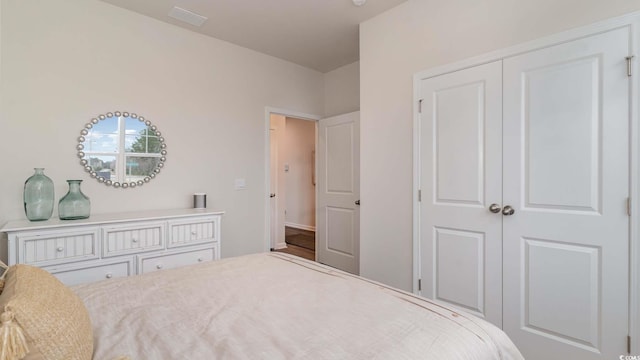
[109,276]
[199,259]
[134,240]
[60,249]
[159,266]
[194,233]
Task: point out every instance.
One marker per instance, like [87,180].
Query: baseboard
[301,227]
[279,246]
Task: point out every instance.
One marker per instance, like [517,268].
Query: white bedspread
[275,306]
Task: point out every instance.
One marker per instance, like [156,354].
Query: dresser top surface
[99,219]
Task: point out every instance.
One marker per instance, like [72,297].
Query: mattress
[277,306]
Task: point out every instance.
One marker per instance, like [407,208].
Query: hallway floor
[300,243]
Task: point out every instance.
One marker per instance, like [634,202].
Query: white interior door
[461,176]
[338,192]
[566,159]
[277,186]
[273,185]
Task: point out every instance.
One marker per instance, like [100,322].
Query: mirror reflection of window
[103,137]
[122,149]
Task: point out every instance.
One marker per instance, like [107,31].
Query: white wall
[415,36]
[65,61]
[342,90]
[300,140]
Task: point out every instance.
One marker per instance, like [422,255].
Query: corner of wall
[342,90]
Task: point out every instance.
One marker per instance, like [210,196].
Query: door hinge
[629,67]
[419,195]
[628,344]
[629,206]
[419,284]
[420,106]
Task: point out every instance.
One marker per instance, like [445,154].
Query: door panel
[461,176]
[460,260]
[338,216]
[339,139]
[562,135]
[340,224]
[566,161]
[549,266]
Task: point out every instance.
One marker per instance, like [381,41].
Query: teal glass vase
[75,205]
[38,196]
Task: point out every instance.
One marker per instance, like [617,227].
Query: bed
[276,306]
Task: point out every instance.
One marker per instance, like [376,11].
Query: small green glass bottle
[75,205]
[38,196]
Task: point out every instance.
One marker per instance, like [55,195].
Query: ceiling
[318,34]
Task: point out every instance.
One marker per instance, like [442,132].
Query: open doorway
[337,191]
[291,217]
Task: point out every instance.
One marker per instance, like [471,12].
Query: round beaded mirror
[121,149]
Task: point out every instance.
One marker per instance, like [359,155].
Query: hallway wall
[299,154]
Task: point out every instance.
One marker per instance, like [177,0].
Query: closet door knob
[508,211]
[495,208]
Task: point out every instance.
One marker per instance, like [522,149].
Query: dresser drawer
[191,231]
[148,264]
[90,273]
[55,247]
[129,239]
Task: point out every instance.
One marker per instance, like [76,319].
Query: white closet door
[566,159]
[461,176]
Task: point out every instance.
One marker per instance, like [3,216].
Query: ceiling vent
[187,16]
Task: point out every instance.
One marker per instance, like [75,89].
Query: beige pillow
[52,318]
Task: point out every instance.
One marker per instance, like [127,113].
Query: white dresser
[108,246]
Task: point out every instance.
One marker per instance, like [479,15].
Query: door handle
[508,210]
[495,208]
[272,195]
[357,202]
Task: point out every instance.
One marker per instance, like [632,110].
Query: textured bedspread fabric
[275,306]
